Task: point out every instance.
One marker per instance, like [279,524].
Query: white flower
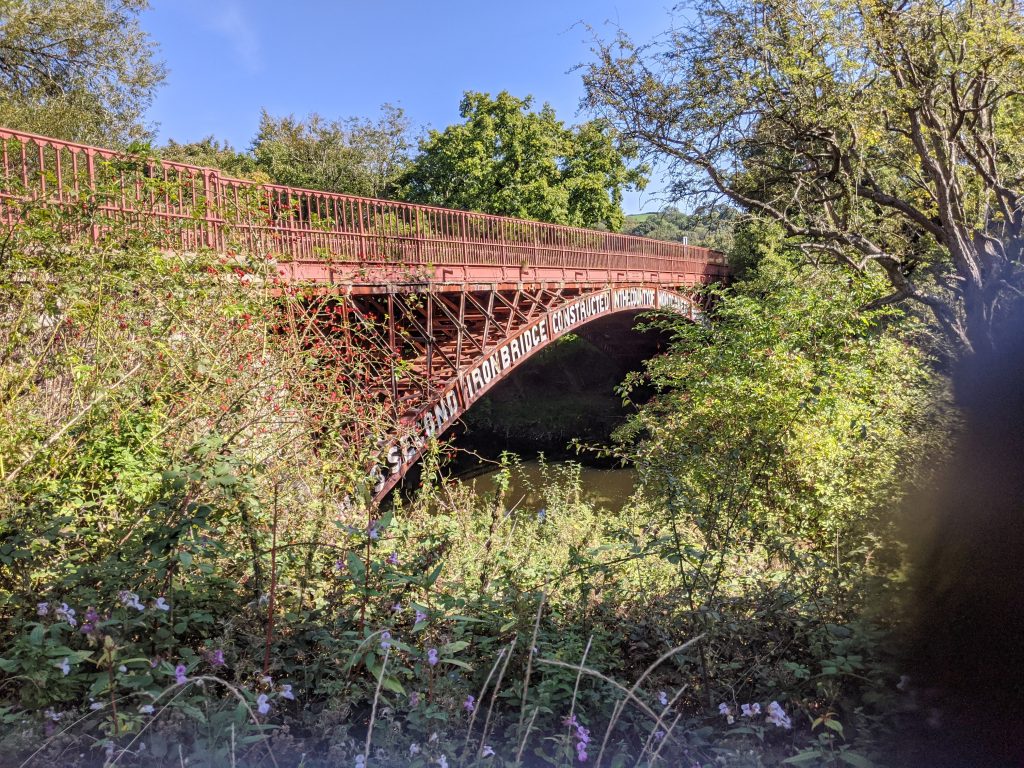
[663,698]
[778,717]
[130,600]
[65,667]
[160,604]
[487,752]
[122,669]
[433,737]
[360,761]
[442,761]
[66,614]
[146,709]
[96,705]
[262,704]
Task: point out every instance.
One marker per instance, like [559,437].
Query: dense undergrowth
[190,574]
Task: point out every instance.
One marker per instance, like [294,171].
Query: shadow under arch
[503,358]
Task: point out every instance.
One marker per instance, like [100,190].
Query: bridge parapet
[307,230]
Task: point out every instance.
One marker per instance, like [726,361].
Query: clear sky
[227,59]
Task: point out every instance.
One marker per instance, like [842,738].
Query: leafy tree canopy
[78,69]
[882,134]
[768,417]
[509,160]
[709,226]
[355,156]
[209,152]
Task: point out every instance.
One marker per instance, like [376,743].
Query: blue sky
[227,59]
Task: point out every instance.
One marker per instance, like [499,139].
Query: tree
[709,226]
[211,153]
[355,156]
[792,422]
[880,133]
[79,69]
[509,160]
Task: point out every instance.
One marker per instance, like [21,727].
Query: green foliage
[708,227]
[507,159]
[184,467]
[881,134]
[355,156]
[78,69]
[211,153]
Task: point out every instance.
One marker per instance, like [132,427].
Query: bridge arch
[495,362]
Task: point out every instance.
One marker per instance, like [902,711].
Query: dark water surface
[607,488]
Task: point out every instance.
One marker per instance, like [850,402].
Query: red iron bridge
[460,298]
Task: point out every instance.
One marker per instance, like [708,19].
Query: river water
[606,488]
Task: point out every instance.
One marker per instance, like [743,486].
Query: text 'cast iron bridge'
[461,298]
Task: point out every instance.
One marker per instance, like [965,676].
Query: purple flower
[487,751]
[396,608]
[91,619]
[385,640]
[432,657]
[663,698]
[393,558]
[42,608]
[414,699]
[216,658]
[286,692]
[179,674]
[659,735]
[469,704]
[749,710]
[65,667]
[339,565]
[263,704]
[420,616]
[372,531]
[146,709]
[542,514]
[160,604]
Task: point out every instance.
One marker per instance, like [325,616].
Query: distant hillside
[710,227]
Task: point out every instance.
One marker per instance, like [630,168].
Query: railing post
[362,231]
[210,186]
[90,166]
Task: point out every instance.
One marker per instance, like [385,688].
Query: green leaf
[856,760]
[807,756]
